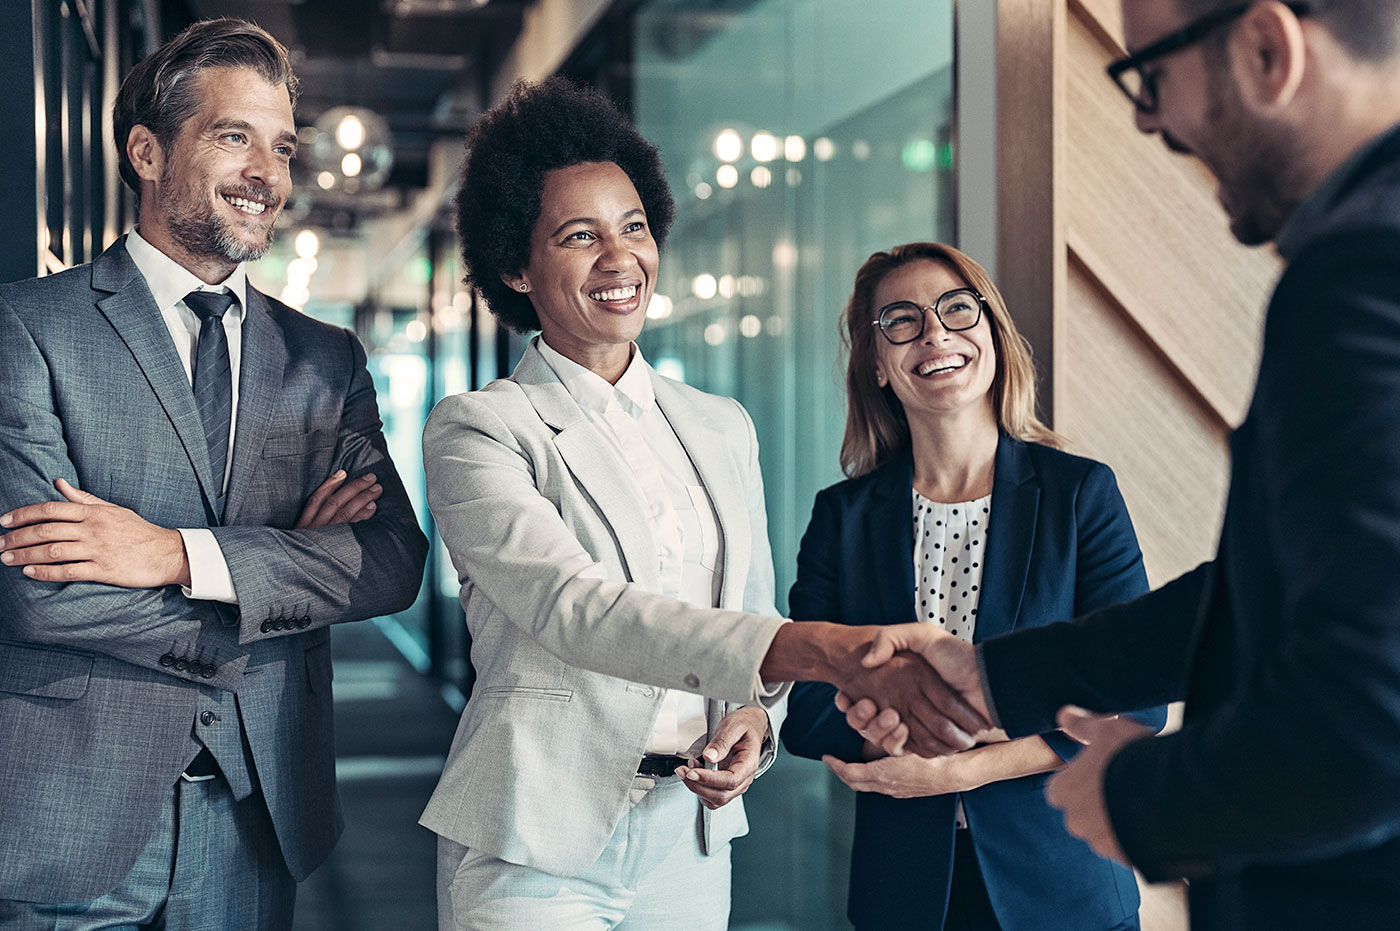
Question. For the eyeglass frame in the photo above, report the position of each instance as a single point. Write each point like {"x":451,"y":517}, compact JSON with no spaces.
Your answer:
{"x":1187,"y":35}
{"x":924,"y":312}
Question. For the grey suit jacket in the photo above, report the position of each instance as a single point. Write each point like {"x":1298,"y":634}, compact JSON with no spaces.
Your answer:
{"x":103,"y":689}
{"x":558,"y":567}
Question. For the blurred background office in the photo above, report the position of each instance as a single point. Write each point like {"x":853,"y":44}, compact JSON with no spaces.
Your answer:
{"x":799,"y":136}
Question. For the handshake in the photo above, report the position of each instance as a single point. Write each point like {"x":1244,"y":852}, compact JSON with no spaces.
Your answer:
{"x":906,"y":686}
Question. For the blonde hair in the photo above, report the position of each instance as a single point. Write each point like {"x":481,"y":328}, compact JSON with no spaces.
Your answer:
{"x":876,"y":427}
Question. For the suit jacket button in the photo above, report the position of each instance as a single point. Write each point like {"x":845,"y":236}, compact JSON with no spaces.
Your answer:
{"x":182,"y":664}
{"x":167,"y":659}
{"x":206,"y":718}
{"x":280,"y":623}
{"x":305,"y":622}
{"x":692,"y":681}
{"x":209,"y":670}
{"x":266,"y":627}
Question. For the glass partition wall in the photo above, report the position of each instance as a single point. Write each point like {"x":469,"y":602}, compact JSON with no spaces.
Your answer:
{"x":799,"y":137}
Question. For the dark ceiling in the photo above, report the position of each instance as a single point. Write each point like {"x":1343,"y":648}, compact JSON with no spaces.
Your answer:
{"x":423,"y":65}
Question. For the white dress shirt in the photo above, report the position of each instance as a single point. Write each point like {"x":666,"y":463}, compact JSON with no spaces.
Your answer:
{"x":679,"y":510}
{"x":169,"y":282}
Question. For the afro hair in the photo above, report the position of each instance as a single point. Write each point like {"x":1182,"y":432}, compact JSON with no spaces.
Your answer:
{"x":537,"y":129}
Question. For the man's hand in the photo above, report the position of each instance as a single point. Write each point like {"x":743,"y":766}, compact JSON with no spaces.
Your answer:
{"x":337,"y":501}
{"x":905,"y":776}
{"x":737,"y":747}
{"x":86,"y":539}
{"x":938,"y":718}
{"x":955,"y":662}
{"x":1078,"y":789}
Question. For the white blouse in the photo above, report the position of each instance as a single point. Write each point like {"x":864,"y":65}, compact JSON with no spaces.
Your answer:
{"x":950,"y":541}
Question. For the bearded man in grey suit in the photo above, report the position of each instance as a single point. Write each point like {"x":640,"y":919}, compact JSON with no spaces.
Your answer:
{"x":166,"y":747}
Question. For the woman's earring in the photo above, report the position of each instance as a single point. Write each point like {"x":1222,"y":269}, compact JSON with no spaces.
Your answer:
{"x":524,"y":286}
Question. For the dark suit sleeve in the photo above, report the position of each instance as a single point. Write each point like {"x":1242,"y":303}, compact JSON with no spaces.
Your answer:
{"x":341,"y":572}
{"x":137,"y":626}
{"x":814,"y":726}
{"x":1304,"y":760}
{"x":1126,"y":657}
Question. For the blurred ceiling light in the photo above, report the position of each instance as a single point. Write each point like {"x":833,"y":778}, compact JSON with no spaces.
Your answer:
{"x":703,"y":191}
{"x":416,"y":331}
{"x":715,"y":334}
{"x":299,"y":272}
{"x":726,"y":286}
{"x":660,"y":307}
{"x":353,"y":146}
{"x":794,"y":177}
{"x":824,"y":149}
{"x":726,"y":176}
{"x":350,"y":132}
{"x":860,"y":150}
{"x":761,"y":177}
{"x":794,"y":148}
{"x":307,"y":244}
{"x":325,"y":180}
{"x":728,"y":146}
{"x":750,"y":326}
{"x":764,"y":147}
{"x":784,"y":255}
{"x":704,"y":286}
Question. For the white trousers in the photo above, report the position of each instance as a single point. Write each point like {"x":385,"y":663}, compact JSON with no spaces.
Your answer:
{"x":651,"y":876}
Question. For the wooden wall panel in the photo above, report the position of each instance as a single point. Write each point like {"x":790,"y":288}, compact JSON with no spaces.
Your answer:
{"x":1125,"y":405}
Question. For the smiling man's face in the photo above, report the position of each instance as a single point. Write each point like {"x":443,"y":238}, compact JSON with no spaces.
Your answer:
{"x":225,"y":179}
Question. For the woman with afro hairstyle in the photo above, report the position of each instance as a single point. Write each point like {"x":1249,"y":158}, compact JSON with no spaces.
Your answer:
{"x":608,"y":529}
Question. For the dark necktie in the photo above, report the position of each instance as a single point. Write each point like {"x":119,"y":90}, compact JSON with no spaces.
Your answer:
{"x":213,"y":379}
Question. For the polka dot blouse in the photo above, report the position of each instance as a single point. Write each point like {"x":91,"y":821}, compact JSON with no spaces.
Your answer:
{"x":949,"y":545}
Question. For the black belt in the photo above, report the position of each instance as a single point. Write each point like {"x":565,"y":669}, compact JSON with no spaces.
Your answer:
{"x":657,"y":766}
{"x":202,"y":768}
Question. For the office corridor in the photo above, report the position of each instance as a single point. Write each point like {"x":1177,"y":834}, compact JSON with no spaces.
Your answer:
{"x":392,"y":735}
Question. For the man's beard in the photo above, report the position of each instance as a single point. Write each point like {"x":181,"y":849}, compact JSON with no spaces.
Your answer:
{"x":1257,"y":182}
{"x":201,"y":231}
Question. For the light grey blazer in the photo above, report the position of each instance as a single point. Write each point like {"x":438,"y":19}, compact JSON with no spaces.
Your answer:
{"x":103,"y":690}
{"x":546,"y":527}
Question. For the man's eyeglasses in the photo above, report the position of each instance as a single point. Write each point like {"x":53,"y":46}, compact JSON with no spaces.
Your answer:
{"x":1140,"y":85}
{"x":903,"y":321}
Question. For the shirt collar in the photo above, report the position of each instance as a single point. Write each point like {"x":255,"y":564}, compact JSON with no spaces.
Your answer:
{"x":170,"y":281}
{"x":633,"y":390}
{"x":1314,"y":209}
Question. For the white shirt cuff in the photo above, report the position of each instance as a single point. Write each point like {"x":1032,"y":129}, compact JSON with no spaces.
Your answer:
{"x":209,"y":576}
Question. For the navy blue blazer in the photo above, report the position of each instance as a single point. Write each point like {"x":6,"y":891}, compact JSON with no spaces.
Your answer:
{"x":1059,"y":543}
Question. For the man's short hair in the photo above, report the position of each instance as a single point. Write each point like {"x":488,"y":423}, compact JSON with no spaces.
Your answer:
{"x":1368,"y":29}
{"x":160,"y":92}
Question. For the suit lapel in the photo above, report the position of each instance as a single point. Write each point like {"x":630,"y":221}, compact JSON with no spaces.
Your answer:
{"x":714,"y":463}
{"x":132,"y":312}
{"x":1010,"y":537}
{"x":263,"y":359}
{"x":889,"y":542}
{"x":603,"y":476}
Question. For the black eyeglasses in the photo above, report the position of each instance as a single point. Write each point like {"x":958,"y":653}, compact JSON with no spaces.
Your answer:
{"x":1141,"y":86}
{"x":903,"y":321}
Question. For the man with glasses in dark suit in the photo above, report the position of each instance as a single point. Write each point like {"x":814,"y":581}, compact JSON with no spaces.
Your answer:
{"x":173,"y":551}
{"x":1278,"y":797}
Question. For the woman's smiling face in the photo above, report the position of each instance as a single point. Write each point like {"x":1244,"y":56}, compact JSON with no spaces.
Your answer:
{"x":592,"y":267}
{"x":940,"y":372}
